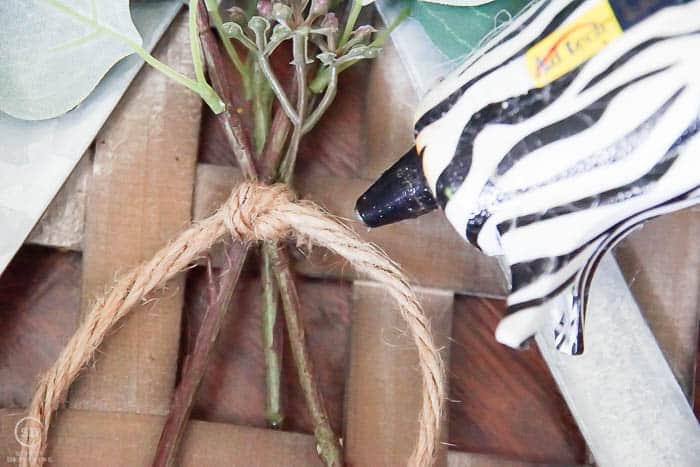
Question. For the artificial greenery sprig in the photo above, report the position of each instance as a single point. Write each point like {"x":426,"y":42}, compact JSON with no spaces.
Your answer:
{"x":319,"y":52}
{"x":318,"y":28}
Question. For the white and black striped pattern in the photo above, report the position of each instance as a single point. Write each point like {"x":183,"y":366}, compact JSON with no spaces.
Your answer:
{"x":552,"y":177}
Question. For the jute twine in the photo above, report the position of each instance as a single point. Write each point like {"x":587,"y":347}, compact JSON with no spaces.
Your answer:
{"x":253,"y":212}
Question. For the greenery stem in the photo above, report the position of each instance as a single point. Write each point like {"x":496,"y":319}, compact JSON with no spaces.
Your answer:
{"x":202,"y":88}
{"x":194,"y":42}
{"x":277,"y":87}
{"x":276,"y":141}
{"x":350,"y":24}
{"x":230,"y":121}
{"x":299,"y":43}
{"x":261,"y":108}
{"x":272,"y":340}
{"x":196,"y":363}
{"x":327,"y":443}
{"x":383,"y":35}
{"x":325,"y":103}
{"x":241,"y":67}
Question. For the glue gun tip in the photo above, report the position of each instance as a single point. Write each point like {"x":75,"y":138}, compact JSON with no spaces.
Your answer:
{"x":367,"y":212}
{"x":400,"y":193}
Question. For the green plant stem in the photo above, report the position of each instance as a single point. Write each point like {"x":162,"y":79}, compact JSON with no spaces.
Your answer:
{"x":272,"y":328}
{"x":241,"y":67}
{"x":325,"y":103}
{"x":272,"y":340}
{"x":323,"y":77}
{"x":350,"y":23}
{"x":208,"y":95}
{"x":261,"y":108}
{"x":286,"y":171}
{"x":277,"y":87}
{"x":383,"y":35}
{"x":195,"y":46}
{"x":327,"y":443}
{"x":273,"y":332}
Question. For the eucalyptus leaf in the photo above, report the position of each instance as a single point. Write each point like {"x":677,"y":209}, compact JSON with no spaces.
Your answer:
{"x":54,"y":52}
{"x":458,"y":30}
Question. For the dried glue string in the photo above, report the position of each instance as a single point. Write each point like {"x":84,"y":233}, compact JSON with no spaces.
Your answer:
{"x":253,"y":212}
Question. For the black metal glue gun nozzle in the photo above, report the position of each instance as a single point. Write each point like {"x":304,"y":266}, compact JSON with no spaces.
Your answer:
{"x":401,"y":192}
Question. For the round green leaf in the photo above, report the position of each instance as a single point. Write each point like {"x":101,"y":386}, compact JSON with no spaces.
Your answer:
{"x":54,"y":52}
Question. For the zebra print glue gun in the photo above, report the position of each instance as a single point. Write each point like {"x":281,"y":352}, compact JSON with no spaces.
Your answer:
{"x":574,"y":124}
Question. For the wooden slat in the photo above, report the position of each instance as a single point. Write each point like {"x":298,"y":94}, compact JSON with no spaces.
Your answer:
{"x":504,"y":401}
{"x":39,"y":306}
{"x":384,"y":385}
{"x":111,"y":439}
{"x":661,"y":263}
{"x":63,"y":222}
{"x":140,"y":196}
{"x":391,"y":103}
{"x":114,"y":439}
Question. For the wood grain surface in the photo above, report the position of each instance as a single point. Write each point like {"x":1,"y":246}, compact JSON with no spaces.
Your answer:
{"x":385,"y":388}
{"x":114,"y":439}
{"x":140,"y":196}
{"x":39,"y":308}
{"x":501,"y":402}
{"x":86,"y":438}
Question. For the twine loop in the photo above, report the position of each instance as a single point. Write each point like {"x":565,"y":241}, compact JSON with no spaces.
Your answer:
{"x":253,"y":212}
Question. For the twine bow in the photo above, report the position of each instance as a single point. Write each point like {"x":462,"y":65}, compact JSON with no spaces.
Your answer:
{"x":253,"y":212}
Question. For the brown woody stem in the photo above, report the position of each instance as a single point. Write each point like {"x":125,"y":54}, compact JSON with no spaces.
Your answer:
{"x":196,"y":362}
{"x":236,"y":253}
{"x":275,"y":143}
{"x":230,"y":121}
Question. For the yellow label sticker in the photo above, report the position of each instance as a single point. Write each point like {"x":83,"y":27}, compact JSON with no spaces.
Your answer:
{"x":571,"y":45}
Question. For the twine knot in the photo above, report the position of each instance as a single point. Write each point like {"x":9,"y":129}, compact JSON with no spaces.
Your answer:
{"x":252,"y":212}
{"x":248,"y":214}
